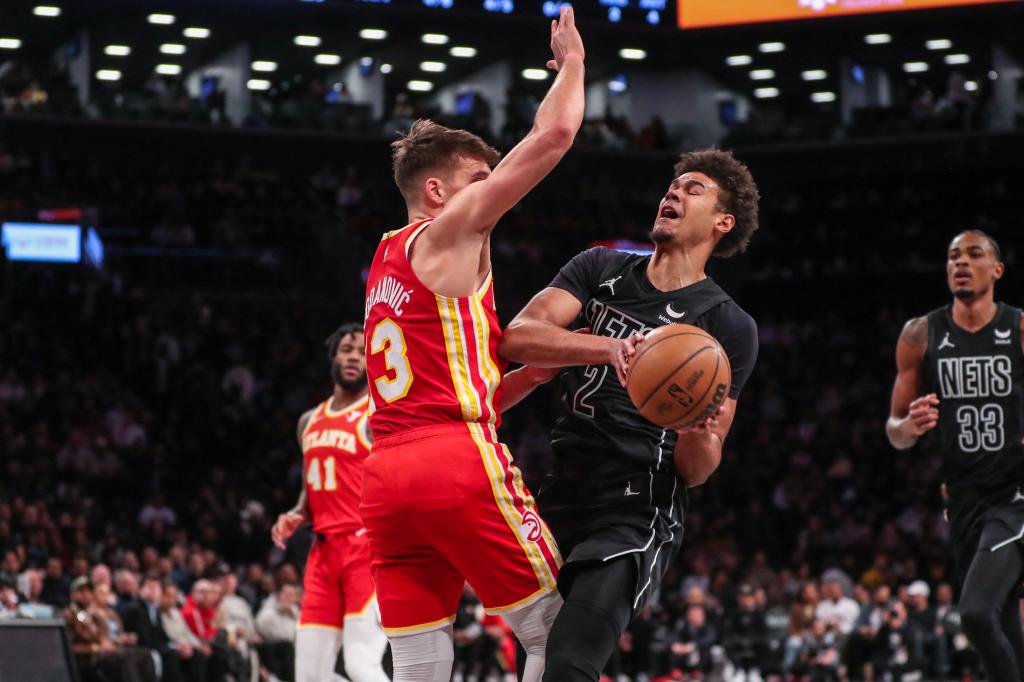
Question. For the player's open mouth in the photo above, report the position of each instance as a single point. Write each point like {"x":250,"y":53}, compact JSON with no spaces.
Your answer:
{"x":962,"y":277}
{"x":668,"y":212}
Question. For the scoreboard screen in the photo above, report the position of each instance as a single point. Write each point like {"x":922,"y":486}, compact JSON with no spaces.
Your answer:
{"x":703,"y":13}
{"x":649,"y":12}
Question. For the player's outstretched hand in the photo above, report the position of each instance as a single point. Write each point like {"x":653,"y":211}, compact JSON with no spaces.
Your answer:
{"x":565,"y":39}
{"x":923,"y":415}
{"x":285,"y":527}
{"x":621,"y":353}
{"x":706,"y":426}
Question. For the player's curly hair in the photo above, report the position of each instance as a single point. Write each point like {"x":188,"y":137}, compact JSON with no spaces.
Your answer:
{"x":738,"y":195}
{"x":432,"y":148}
{"x":341,"y":332}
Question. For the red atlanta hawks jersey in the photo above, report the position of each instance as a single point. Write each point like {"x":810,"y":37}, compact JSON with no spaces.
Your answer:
{"x":334,"y":446}
{"x":430,"y":359}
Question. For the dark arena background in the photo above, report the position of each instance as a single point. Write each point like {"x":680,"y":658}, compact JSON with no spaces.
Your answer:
{"x":191,"y":193}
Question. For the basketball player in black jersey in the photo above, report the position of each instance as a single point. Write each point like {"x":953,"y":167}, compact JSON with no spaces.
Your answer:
{"x":614,"y":499}
{"x":961,"y":373}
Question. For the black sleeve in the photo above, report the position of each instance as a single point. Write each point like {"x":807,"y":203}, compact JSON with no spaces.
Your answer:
{"x":580,"y":275}
{"x":737,"y":332}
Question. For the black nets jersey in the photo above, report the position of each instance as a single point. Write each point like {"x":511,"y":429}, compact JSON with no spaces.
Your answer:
{"x":606,"y":453}
{"x":979,"y":379}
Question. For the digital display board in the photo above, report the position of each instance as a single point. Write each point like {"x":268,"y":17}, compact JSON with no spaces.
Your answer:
{"x":704,"y":13}
{"x":42,"y":242}
{"x":649,"y":12}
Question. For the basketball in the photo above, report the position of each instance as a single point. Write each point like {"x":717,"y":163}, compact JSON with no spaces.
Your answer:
{"x":679,"y":377}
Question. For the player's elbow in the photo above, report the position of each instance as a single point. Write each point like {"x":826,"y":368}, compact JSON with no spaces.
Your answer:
{"x":554,"y":137}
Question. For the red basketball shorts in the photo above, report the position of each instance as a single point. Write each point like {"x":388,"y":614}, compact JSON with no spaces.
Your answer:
{"x":338,"y":583}
{"x":443,"y":505}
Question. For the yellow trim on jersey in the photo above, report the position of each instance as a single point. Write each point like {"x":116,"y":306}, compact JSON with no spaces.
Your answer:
{"x":423,"y":627}
{"x":526,"y":601}
{"x":458,"y":357}
{"x":366,"y":607}
{"x":319,"y":626}
{"x":488,"y":370}
{"x":412,"y":237}
{"x":496,"y":475}
{"x":394,"y":233}
{"x":345,"y":410}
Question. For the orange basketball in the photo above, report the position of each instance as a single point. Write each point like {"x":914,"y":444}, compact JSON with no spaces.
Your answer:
{"x":679,"y":377}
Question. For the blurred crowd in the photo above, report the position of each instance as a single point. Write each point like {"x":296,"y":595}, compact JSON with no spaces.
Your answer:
{"x":147,"y":417}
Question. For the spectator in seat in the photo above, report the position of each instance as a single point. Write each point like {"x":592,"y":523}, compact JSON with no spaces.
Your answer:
{"x":836,"y":609}
{"x":196,"y":655}
{"x":276,"y":623}
{"x":861,"y":642}
{"x":690,"y":651}
{"x":929,"y":645}
{"x":894,"y":654}
{"x":745,"y":635}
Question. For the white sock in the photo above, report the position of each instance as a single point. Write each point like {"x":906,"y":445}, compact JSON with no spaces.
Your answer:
{"x":316,"y":654}
{"x":531,"y":625}
{"x":423,"y":656}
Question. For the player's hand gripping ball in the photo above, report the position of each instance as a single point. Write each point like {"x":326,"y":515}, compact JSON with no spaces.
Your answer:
{"x":679,"y":377}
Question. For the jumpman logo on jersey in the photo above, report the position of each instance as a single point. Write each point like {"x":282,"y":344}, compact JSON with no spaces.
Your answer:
{"x":610,"y":284}
{"x":629,"y":489}
{"x":946,"y":343}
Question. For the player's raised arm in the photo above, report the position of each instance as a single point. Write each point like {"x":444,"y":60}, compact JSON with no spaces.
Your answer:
{"x":911,"y":415}
{"x":538,"y":336}
{"x":478,"y":207}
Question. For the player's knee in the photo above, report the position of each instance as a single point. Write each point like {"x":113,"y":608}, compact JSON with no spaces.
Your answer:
{"x":979,"y":620}
{"x":563,"y":664}
{"x":360,"y":666}
{"x":532,"y":623}
{"x":424,"y":656}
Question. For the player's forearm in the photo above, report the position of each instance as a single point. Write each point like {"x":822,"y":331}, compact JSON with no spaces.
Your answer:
{"x":898,"y":435}
{"x":302,"y":506}
{"x":543,"y":344}
{"x":701,"y":453}
{"x":562,"y":108}
{"x":515,"y":386}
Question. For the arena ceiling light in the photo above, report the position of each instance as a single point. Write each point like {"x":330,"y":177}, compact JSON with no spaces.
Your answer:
{"x":386,"y":68}
{"x":958,"y":58}
{"x":618,"y":85}
{"x":877,"y":38}
{"x":161,"y":18}
{"x":264,"y":66}
{"x":535,"y":74}
{"x":168,"y":69}
{"x":327,"y":59}
{"x":108,"y":75}
{"x":773,"y":46}
{"x":634,"y":54}
{"x":762,"y":74}
{"x":10,"y":43}
{"x":117,"y":50}
{"x":434,"y":38}
{"x":739,"y":60}
{"x":766,"y":93}
{"x":307,"y":41}
{"x":257,"y":84}
{"x":971,"y":86}
{"x":814,"y":75}
{"x":373,"y":34}
{"x":196,"y":32}
{"x":420,"y":86}
{"x":938,"y":44}
{"x":433,"y":67}
{"x":462,"y":51}
{"x":172,"y":48}
{"x":46,"y":11}
{"x":823,"y":97}
{"x":915,"y":67}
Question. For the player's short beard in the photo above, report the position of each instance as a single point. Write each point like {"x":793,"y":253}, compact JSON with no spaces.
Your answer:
{"x":964,"y":293}
{"x":356,"y":384}
{"x":659,"y":236}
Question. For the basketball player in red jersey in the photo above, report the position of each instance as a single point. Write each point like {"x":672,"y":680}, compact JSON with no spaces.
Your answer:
{"x":339,"y":605}
{"x":442,"y":501}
